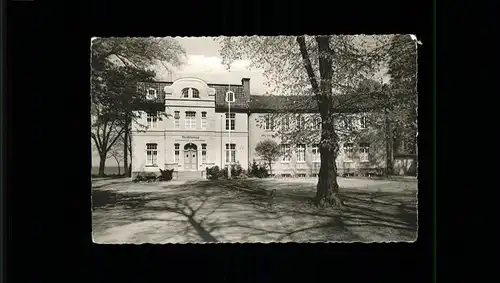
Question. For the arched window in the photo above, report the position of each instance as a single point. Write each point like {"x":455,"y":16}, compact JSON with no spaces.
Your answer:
{"x":196,"y":93}
{"x":190,"y":92}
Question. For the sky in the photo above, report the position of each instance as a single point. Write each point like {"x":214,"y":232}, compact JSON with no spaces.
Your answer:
{"x":203,"y":61}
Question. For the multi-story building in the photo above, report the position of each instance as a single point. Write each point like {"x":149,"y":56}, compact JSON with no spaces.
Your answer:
{"x":191,"y":132}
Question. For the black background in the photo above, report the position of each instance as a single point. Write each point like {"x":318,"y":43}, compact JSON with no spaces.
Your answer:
{"x":47,"y":197}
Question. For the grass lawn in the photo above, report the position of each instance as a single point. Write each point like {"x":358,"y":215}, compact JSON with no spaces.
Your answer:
{"x":240,"y":211}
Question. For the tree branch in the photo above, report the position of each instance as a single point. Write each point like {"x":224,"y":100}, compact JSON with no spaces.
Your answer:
{"x":114,"y":140}
{"x":96,"y":141}
{"x":307,"y":64}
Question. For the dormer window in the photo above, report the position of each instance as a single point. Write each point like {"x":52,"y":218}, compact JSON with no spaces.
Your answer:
{"x":363,"y":122}
{"x":196,"y":93}
{"x":190,"y":92}
{"x":229,"y":96}
{"x":151,"y":94}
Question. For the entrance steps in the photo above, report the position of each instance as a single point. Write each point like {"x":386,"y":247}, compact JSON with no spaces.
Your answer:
{"x":189,"y":175}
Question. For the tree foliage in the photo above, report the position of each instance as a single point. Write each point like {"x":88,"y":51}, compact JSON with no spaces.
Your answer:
{"x":355,"y":60}
{"x":320,"y":74}
{"x":269,"y":151}
{"x":403,"y":92}
{"x":117,"y":65}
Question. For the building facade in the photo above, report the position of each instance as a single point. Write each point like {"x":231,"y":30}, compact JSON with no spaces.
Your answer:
{"x":190,"y":128}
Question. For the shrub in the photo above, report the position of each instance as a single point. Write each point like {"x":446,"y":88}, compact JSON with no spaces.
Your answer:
{"x":214,"y":173}
{"x":259,"y":171}
{"x":166,"y":175}
{"x":236,"y":170}
{"x":146,"y":177}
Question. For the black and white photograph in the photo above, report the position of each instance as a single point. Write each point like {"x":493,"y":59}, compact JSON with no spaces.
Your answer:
{"x":255,"y":139}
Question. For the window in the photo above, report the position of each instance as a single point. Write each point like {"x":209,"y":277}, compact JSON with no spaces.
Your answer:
{"x":152,"y":120}
{"x":230,"y":121}
{"x":177,"y":120}
{"x":300,"y":122}
{"x":229,"y":96}
{"x":230,"y":153}
{"x":285,"y":153}
{"x":196,"y":93}
{"x":152,"y":154}
{"x":316,"y":157}
{"x":317,"y":123}
{"x":203,"y":153}
{"x":347,"y":123}
{"x":301,"y":153}
{"x":348,"y":151}
{"x":364,"y":150}
{"x":203,"y":120}
{"x":286,"y":124}
{"x":269,"y":122}
{"x":190,"y":120}
{"x":176,"y":153}
{"x":363,"y":122}
{"x":190,"y":92}
{"x":151,"y":94}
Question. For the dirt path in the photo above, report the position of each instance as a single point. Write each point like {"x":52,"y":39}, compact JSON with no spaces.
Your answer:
{"x":239,"y":211}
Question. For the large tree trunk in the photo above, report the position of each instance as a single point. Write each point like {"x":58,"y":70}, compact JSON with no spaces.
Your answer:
{"x":102,"y":165}
{"x":126,"y":134}
{"x":389,"y":141}
{"x":125,"y":152}
{"x":270,"y":169}
{"x":327,"y":190}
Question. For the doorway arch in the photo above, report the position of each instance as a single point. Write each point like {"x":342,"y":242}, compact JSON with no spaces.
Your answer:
{"x":190,"y":157}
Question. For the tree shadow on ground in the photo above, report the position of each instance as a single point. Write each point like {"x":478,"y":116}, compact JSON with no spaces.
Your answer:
{"x":247,"y":206}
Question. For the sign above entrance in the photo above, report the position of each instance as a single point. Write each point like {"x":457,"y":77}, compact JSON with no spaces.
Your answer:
{"x":190,"y":137}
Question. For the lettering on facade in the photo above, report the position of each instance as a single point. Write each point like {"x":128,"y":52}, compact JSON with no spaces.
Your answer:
{"x":190,"y":137}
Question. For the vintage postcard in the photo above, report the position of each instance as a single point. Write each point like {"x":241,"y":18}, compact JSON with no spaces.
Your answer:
{"x":254,"y":139}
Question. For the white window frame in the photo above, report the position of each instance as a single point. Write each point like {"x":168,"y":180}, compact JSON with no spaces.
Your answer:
{"x":285,"y":153}
{"x":152,"y":120}
{"x":268,"y":122}
{"x":301,"y":153}
{"x":316,"y":156}
{"x":176,"y":152}
{"x":152,"y":150}
{"x":285,"y":124}
{"x":230,"y":150}
{"x":363,"y":122}
{"x":195,"y":93}
{"x":177,"y":119}
{"x":299,"y":122}
{"x":364,"y":152}
{"x":317,"y":125}
{"x":203,"y":120}
{"x":151,"y":95}
{"x":348,"y":149}
{"x":190,"y":122}
{"x":203,"y":153}
{"x":230,"y":121}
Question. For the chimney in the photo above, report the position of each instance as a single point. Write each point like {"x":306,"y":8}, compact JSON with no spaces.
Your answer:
{"x":246,"y":86}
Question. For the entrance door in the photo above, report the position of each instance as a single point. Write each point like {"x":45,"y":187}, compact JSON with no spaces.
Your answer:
{"x":190,"y":157}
